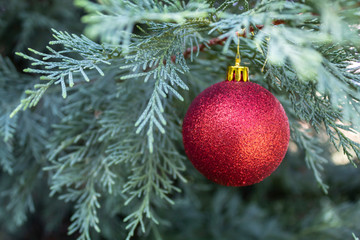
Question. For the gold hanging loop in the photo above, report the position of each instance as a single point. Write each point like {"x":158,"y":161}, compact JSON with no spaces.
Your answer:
{"x":238,"y":73}
{"x":237,"y":57}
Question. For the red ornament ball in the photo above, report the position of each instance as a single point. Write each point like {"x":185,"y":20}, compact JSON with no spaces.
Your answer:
{"x":236,"y":133}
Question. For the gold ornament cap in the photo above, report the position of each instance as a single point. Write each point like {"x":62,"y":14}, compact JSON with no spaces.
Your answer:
{"x":238,"y":73}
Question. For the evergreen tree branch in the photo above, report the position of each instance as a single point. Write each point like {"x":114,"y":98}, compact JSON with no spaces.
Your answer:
{"x":318,"y":110}
{"x":160,"y":59}
{"x":151,"y":175}
{"x":7,"y":159}
{"x":8,"y":128}
{"x":355,"y":238}
{"x":19,"y":195}
{"x":150,"y":179}
{"x":95,"y":154}
{"x":85,"y":215}
{"x":59,"y":65}
{"x":11,"y":82}
{"x":23,"y":159}
{"x":84,"y":162}
{"x":340,"y":223}
{"x":221,"y":41}
{"x":79,"y":170}
{"x":313,"y":157}
{"x":114,"y":20}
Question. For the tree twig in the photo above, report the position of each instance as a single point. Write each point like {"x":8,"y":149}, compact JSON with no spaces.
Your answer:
{"x":220,"y":41}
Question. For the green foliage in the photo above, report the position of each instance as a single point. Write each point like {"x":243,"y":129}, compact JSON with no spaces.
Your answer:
{"x":113,"y":21}
{"x":152,"y":175}
{"x":22,"y":21}
{"x":90,"y":53}
{"x":331,"y":221}
{"x":212,"y":212}
{"x":355,"y":238}
{"x":20,"y":150}
{"x":313,"y":152}
{"x":112,"y":149}
{"x":155,"y":56}
{"x":7,"y":125}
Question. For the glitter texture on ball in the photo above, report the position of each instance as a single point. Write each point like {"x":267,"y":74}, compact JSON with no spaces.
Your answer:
{"x":236,"y":133}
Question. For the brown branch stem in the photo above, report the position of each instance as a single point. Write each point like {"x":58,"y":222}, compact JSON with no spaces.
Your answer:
{"x":218,"y":41}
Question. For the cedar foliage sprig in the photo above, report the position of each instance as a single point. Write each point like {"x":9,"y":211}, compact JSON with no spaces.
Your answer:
{"x":58,"y":65}
{"x":19,"y":150}
{"x":159,"y":59}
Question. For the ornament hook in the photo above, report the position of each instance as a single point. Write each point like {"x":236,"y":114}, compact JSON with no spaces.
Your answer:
{"x":237,"y":57}
{"x":238,"y":73}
